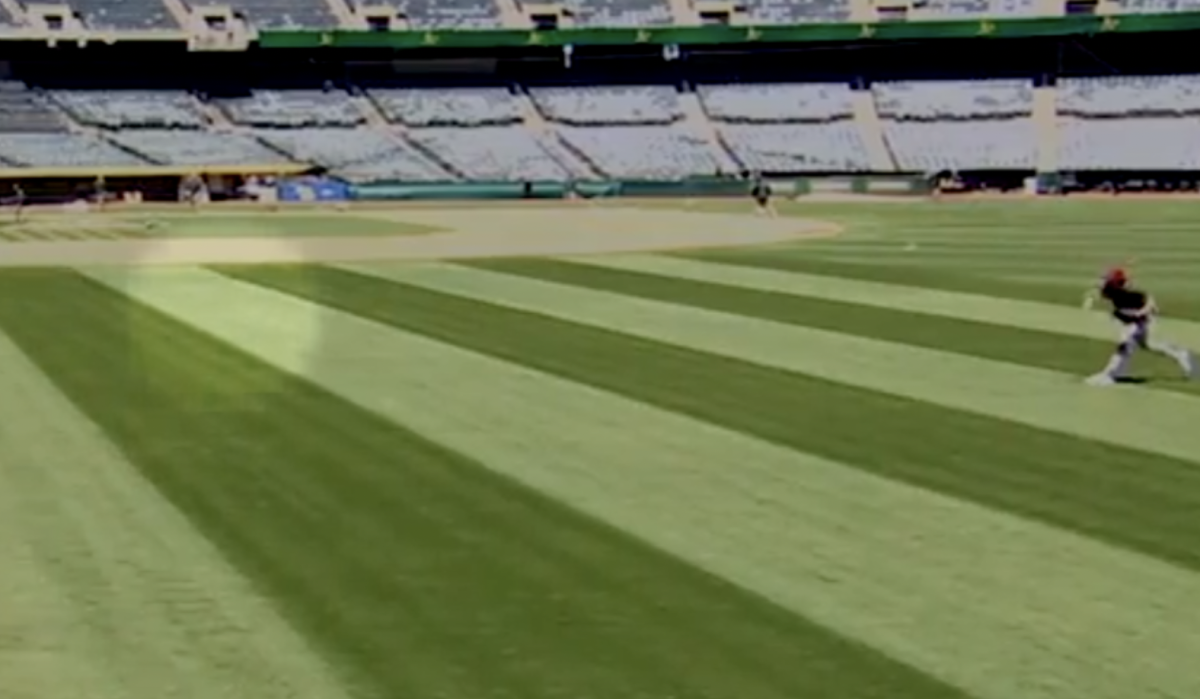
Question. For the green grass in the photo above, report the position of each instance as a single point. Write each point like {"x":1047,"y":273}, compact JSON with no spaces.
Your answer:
{"x":857,"y":467}
{"x":381,"y":545}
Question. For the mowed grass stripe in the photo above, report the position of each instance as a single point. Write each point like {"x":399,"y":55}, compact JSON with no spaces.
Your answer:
{"x":914,"y":272}
{"x":105,"y":589}
{"x":858,"y":553}
{"x":414,"y":566}
{"x":1035,"y":348}
{"x":837,"y":296}
{"x":1125,"y":496}
{"x":1036,"y":397}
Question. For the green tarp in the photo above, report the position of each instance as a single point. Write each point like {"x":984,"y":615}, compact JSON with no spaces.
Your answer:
{"x":885,"y":31}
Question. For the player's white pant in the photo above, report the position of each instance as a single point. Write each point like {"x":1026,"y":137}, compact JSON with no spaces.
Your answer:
{"x":1137,"y":335}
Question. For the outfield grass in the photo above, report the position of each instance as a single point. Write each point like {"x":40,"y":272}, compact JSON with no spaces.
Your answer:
{"x":842,"y":468}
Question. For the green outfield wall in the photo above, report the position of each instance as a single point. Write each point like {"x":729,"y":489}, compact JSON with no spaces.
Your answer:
{"x":698,"y":187}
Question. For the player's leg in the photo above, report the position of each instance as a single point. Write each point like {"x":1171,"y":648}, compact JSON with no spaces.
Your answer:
{"x":1132,"y":335}
{"x":1181,"y":356}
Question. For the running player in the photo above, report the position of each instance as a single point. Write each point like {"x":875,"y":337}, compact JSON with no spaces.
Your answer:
{"x":18,"y":200}
{"x":761,"y":191}
{"x":1134,"y":310}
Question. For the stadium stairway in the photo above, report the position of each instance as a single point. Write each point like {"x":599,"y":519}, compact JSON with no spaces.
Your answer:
{"x":863,"y":11}
{"x":345,"y":16}
{"x":696,"y":119}
{"x":1045,"y":119}
{"x":370,"y":110}
{"x":511,"y":16}
{"x":870,"y":129}
{"x":179,"y":12}
{"x":684,"y":13}
{"x":218,"y":118}
{"x":533,"y":119}
{"x":400,"y":131}
{"x":15,"y":10}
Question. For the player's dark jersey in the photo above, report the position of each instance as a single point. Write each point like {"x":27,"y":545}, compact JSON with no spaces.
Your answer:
{"x":1125,"y":300}
{"x":760,"y":191}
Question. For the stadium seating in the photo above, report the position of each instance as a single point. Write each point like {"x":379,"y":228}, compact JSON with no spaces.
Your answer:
{"x":1140,"y":6}
{"x":632,"y":131}
{"x":125,"y":14}
{"x":1128,"y":95}
{"x":797,"y":11}
{"x":817,"y":147}
{"x":1129,"y":122}
{"x":1005,"y":144}
{"x":284,"y":14}
{"x":22,"y":109}
{"x":954,"y":99}
{"x":656,"y":104}
{"x":968,"y":9}
{"x":351,"y":152}
{"x":188,"y":147}
{"x":801,"y":127}
{"x":62,"y":150}
{"x":620,"y":13}
{"x":449,"y":14}
{"x":492,"y":153}
{"x":464,"y":106}
{"x":293,"y":108}
{"x":1145,"y":143}
{"x":776,"y":102}
{"x":130,"y":108}
{"x":958,"y":125}
{"x":650,"y":152}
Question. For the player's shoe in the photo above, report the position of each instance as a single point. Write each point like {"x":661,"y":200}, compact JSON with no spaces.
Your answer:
{"x":1101,"y":379}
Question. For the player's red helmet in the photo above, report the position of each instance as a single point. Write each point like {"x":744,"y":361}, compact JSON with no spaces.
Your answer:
{"x":1115,"y":277}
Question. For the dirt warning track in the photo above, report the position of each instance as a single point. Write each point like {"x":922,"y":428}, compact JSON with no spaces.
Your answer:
{"x":467,"y":233}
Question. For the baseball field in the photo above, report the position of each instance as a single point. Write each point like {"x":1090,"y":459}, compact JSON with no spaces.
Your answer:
{"x":659,"y":451}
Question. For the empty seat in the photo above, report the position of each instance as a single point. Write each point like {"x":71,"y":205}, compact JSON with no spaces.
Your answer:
{"x":818,"y":147}
{"x":797,"y":11}
{"x":1129,"y":95}
{"x":351,"y":152}
{"x":293,"y":108}
{"x":492,"y":152}
{"x":448,"y":14}
{"x":940,"y":99}
{"x":125,"y":14}
{"x":287,"y":14}
{"x":63,"y":150}
{"x":776,"y":102}
{"x":22,"y":109}
{"x":1147,"y":143}
{"x":130,"y":108}
{"x":620,"y":13}
{"x":609,"y":105}
{"x":180,"y":147}
{"x":464,"y":106}
{"x":643,"y":152}
{"x":999,"y":144}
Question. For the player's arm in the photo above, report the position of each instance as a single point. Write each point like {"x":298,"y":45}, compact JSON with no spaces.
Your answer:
{"x":1148,"y":309}
{"x":1089,"y":298}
